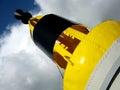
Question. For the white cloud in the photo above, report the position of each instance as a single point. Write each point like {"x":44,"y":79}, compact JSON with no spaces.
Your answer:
{"x":23,"y":66}
{"x":88,"y":12}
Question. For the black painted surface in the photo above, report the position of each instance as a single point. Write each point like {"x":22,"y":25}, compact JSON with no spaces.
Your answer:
{"x":47,"y":31}
{"x":113,"y":78}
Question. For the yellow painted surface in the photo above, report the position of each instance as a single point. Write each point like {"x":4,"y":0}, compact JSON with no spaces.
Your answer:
{"x":74,"y":33}
{"x":88,"y":53}
{"x":62,"y":49}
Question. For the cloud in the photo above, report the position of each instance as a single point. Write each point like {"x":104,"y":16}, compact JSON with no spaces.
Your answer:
{"x":23,"y":66}
{"x":88,"y":12}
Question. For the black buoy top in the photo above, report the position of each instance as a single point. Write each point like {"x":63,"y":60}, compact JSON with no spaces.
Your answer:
{"x":46,"y":31}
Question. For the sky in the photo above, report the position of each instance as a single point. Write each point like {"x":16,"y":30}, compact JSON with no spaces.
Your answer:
{"x":23,"y":66}
{"x":7,"y":8}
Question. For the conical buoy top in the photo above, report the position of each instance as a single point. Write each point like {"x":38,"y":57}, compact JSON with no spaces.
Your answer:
{"x":23,"y":16}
